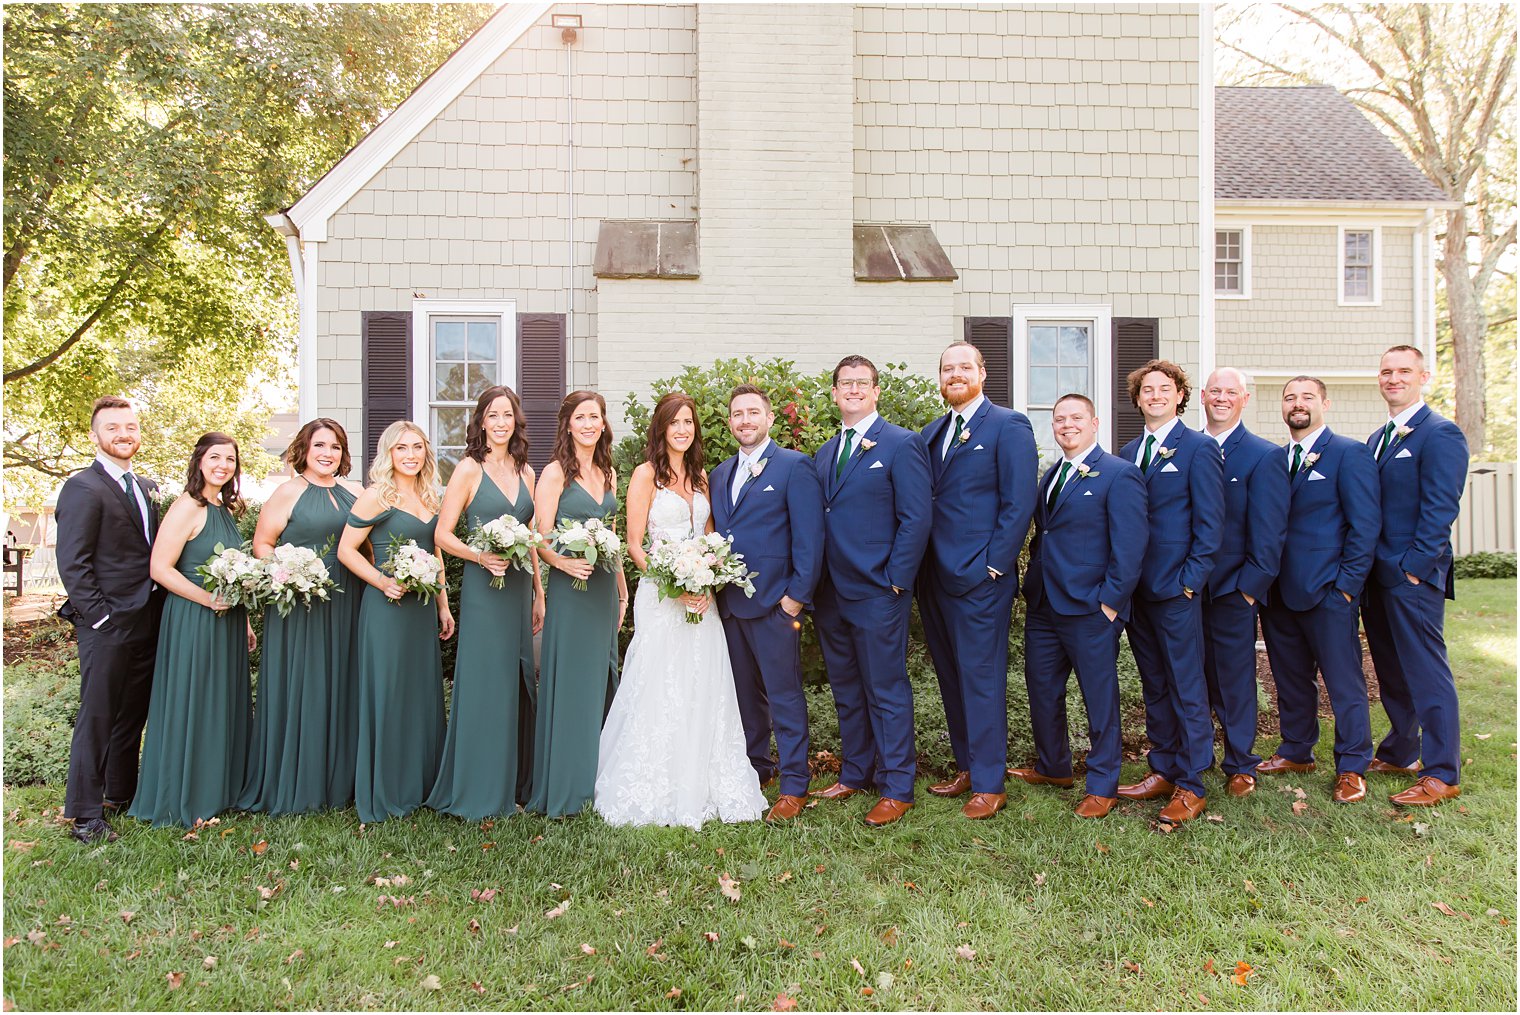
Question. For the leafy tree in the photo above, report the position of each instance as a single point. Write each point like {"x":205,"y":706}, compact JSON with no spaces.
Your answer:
{"x":143,"y":145}
{"x":1440,"y":79}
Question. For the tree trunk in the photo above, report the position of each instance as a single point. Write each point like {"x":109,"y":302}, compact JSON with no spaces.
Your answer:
{"x":1469,"y":327}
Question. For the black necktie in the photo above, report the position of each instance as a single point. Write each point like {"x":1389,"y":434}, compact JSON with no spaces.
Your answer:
{"x":1298,"y":457}
{"x":132,"y":505}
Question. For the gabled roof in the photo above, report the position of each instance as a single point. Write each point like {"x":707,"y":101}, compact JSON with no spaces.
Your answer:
{"x":422,"y":107}
{"x":1308,"y":144}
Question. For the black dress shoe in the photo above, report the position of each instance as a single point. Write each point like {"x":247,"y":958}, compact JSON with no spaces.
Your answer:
{"x":93,"y":830}
{"x":114,"y":806}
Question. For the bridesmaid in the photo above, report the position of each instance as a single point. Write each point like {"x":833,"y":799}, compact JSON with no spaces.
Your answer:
{"x":578,"y":674}
{"x":195,"y":754}
{"x":488,"y":749}
{"x":306,"y":732}
{"x":397,"y":661}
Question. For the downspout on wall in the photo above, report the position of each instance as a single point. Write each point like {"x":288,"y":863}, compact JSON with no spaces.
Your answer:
{"x":306,"y":338}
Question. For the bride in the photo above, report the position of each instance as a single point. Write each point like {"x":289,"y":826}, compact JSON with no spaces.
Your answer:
{"x":672,"y":748}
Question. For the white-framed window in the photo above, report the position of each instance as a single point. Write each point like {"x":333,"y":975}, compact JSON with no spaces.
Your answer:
{"x":1058,"y":349}
{"x":1232,"y":263}
{"x":1360,"y":259}
{"x":459,"y":348}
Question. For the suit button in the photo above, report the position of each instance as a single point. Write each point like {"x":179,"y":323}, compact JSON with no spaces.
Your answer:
{"x":827,"y":510}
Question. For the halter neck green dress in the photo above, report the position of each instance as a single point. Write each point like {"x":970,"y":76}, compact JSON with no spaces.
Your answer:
{"x":488,"y":751}
{"x":400,"y":674}
{"x":195,"y":753}
{"x":306,"y":718}
{"x":578,"y":673}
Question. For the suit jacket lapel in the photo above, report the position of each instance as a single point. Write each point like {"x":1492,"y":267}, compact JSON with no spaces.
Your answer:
{"x":770,"y":449}
{"x":1157,"y":462}
{"x":935,"y":436}
{"x":971,"y":425}
{"x":1304,"y":469}
{"x":857,"y":454}
{"x":828,"y":455}
{"x":121,"y":492}
{"x":1071,"y":480}
{"x":1393,"y":443}
{"x":1232,"y":442}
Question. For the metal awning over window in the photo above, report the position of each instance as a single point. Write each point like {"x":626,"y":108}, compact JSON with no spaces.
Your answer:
{"x":646,"y":248}
{"x":893,"y":253}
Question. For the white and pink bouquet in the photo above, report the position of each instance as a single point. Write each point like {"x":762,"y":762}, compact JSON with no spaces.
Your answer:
{"x":701,"y":564}
{"x":415,"y":569}
{"x":592,"y":540}
{"x":296,"y":574}
{"x":233,"y":575}
{"x":508,"y":538}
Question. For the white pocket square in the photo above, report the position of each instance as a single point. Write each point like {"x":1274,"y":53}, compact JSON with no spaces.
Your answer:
{"x":1169,"y":467}
{"x":1087,"y":493}
{"x":1316,"y":474}
{"x":1234,"y":479}
{"x":978,"y":448}
{"x":1404,"y":454}
{"x":875,"y":465}
{"x":768,"y":489}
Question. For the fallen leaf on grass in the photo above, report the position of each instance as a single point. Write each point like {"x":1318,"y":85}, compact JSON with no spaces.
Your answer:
{"x":729,"y":887}
{"x":1242,"y":973}
{"x":855,"y":965}
{"x":1039,"y":879}
{"x":64,"y":920}
{"x":673,"y":993}
{"x":1133,"y":967}
{"x":818,"y":930}
{"x":1482,"y":736}
{"x":175,"y":980}
{"x":867,"y":991}
{"x":711,"y":936}
{"x":558,"y":911}
{"x":748,"y":941}
{"x":1443,"y":908}
{"x":12,"y":940}
{"x":1148,"y":903}
{"x":1218,"y":819}
{"x":889,"y":936}
{"x":884,"y":981}
{"x":482,"y":894}
{"x":209,"y":962}
{"x":783,"y":877}
{"x":431,"y":982}
{"x":1299,"y":806}
{"x":1420,"y":828}
{"x":293,"y":956}
{"x":784,"y":943}
{"x":1208,"y":967}
{"x":1100,"y":847}
{"x":819,"y":869}
{"x":477,"y":988}
{"x":473,"y":926}
{"x":391,"y":944}
{"x":399,"y":881}
{"x":1203,"y":999}
{"x":126,"y":915}
{"x":259,"y":847}
{"x":965,"y":952}
{"x":23,"y":847}
{"x":587,"y":949}
{"x":654,"y":949}
{"x":36,"y":937}
{"x":784,"y":1002}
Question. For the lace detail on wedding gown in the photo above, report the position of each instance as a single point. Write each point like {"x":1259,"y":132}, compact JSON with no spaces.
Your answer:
{"x":672,"y":749}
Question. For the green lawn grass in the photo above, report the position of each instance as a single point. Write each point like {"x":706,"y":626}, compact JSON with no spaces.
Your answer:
{"x":1333,"y":907}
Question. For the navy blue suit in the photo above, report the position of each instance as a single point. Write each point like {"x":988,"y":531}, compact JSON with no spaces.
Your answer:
{"x":777,"y":524}
{"x":1422,"y":476}
{"x":984,"y":493}
{"x":1255,"y":524}
{"x":876,"y":521}
{"x":1333,"y":523}
{"x":1185,"y":495}
{"x":1086,"y":554}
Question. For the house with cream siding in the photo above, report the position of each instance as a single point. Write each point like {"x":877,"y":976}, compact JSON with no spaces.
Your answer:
{"x":597,"y":195}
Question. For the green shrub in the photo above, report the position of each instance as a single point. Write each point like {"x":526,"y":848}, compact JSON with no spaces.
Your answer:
{"x":1485,"y":565}
{"x":41,"y":703}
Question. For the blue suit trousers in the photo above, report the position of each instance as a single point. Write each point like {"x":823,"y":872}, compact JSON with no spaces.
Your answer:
{"x":1054,"y":645}
{"x":766,"y":653}
{"x":1325,"y":637}
{"x":1167,"y":639}
{"x":1229,"y":663}
{"x":1406,"y":634}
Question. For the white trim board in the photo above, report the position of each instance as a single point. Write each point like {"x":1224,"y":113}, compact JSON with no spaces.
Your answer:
{"x":329,"y":194}
{"x":1377,"y":263}
{"x":1244,"y":229}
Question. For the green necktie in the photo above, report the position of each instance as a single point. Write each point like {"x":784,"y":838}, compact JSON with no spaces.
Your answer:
{"x":844,"y":454}
{"x":1055,"y":488}
{"x":955,"y":437}
{"x":1150,"y":442}
{"x":1298,"y":458}
{"x":132,"y":505}
{"x":1387,"y":437}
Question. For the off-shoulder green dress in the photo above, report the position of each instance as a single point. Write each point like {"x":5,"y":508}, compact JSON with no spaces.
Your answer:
{"x":195,"y":752}
{"x":487,"y":752}
{"x":400,"y":674}
{"x":578,"y":672}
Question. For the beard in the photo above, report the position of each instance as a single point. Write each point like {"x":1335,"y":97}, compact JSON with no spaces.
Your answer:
{"x":973,"y":388}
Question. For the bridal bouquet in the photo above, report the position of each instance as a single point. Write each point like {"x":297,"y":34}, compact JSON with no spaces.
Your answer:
{"x":233,"y":575}
{"x":702,"y":564}
{"x":592,"y":540}
{"x":415,"y":569}
{"x":509,"y":538}
{"x":296,"y":574}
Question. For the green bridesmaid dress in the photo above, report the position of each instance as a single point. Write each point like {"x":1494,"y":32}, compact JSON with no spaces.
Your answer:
{"x":400,"y":674}
{"x":195,"y":754}
{"x":578,"y":675}
{"x":488,"y":750}
{"x":306,"y":719}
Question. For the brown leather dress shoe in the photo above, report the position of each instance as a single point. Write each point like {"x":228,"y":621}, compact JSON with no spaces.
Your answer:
{"x":1035,"y":778}
{"x":887,"y":811}
{"x":1277,"y":764}
{"x":1095,"y":806}
{"x":838,"y":791}
{"x":1350,"y":788}
{"x":955,"y":786}
{"x":984,"y":805}
{"x":1383,"y":768}
{"x":1149,"y":788}
{"x":1241,"y":784}
{"x":1184,"y":806}
{"x":787,"y":808}
{"x":1426,"y":792}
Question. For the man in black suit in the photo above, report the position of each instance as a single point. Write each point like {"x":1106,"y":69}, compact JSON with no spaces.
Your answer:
{"x":106,"y":525}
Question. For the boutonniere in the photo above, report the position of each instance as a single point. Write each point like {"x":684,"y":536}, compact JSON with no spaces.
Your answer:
{"x":1165,"y":453}
{"x":1402,"y":432}
{"x":866,"y":444}
{"x":965,"y":436}
{"x":1311,"y":458}
{"x":1083,"y":471}
{"x":755,"y":468}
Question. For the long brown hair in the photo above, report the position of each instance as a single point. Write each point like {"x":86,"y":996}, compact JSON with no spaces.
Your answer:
{"x":564,"y":443}
{"x":658,"y":452}
{"x":475,"y":444}
{"x":300,"y":445}
{"x":195,"y":483}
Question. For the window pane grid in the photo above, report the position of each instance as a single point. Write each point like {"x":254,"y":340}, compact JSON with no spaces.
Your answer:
{"x":465,"y":361}
{"x":1228,"y":258}
{"x":1358,"y":266}
{"x":1060,"y":361}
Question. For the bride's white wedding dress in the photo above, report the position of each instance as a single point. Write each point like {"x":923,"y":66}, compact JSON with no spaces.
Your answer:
{"x":672,"y":749}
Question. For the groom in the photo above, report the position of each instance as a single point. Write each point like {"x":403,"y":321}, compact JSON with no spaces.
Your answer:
{"x":768,"y":501}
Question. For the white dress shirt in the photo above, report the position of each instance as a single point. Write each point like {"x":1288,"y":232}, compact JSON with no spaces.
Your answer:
{"x":860,"y":429}
{"x":1160,"y":433}
{"x":965,"y":417}
{"x":1221,"y":438}
{"x":742,"y":467}
{"x":1402,"y":419}
{"x":1307,"y":444}
{"x":116,"y":473}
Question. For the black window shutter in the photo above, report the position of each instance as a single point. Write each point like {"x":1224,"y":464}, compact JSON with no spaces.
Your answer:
{"x":1137,"y":341}
{"x":541,"y":380}
{"x":993,"y":337}
{"x":387,"y":342}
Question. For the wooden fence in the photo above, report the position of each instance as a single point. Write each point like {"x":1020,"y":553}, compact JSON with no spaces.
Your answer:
{"x":1487,"y":521}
